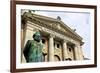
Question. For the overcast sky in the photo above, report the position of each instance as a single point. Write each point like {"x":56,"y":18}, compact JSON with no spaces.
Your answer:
{"x":78,"y":21}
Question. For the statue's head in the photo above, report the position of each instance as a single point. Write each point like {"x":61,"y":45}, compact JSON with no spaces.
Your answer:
{"x":37,"y":36}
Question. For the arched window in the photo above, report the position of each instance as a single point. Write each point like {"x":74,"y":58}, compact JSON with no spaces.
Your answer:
{"x":44,"y":57}
{"x":68,"y":59}
{"x":57,"y":58}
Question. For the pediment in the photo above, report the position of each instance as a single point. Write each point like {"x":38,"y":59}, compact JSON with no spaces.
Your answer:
{"x":51,"y":23}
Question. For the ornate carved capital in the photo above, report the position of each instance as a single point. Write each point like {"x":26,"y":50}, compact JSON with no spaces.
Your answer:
{"x":64,"y":40}
{"x":51,"y":35}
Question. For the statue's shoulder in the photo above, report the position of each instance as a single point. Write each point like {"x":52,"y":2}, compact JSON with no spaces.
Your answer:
{"x":30,"y":41}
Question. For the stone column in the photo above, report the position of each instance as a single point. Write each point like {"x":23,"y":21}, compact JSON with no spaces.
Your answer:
{"x":65,"y":53}
{"x":51,"y":47}
{"x":76,"y":50}
{"x":80,"y":52}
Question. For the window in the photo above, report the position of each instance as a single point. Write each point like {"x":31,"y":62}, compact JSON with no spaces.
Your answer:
{"x":57,"y":58}
{"x":69,"y":49}
{"x":68,"y":59}
{"x":58,"y":45}
{"x":44,"y":57}
{"x":54,"y":44}
{"x":43,"y":41}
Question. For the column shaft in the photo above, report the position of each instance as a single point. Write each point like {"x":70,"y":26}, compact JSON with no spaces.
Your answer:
{"x":65,"y":53}
{"x":80,"y":52}
{"x":76,"y":50}
{"x":51,"y":48}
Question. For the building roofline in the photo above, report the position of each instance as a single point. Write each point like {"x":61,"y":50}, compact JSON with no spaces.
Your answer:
{"x":54,"y":20}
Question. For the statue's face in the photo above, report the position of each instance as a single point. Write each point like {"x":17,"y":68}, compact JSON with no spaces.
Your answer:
{"x":37,"y":37}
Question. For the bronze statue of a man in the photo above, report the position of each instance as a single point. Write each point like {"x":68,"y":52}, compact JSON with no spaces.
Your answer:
{"x":33,"y":49}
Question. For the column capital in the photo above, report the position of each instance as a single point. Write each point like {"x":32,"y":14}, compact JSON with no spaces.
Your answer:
{"x":52,"y":35}
{"x":76,"y":45}
{"x":64,"y":40}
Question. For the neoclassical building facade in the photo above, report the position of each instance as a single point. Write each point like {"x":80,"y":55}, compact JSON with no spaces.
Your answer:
{"x":60,"y":42}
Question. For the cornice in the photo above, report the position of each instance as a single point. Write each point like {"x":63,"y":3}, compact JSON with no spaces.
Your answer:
{"x":51,"y":24}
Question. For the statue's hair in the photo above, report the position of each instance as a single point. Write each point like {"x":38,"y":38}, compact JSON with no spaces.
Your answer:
{"x":35,"y":34}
